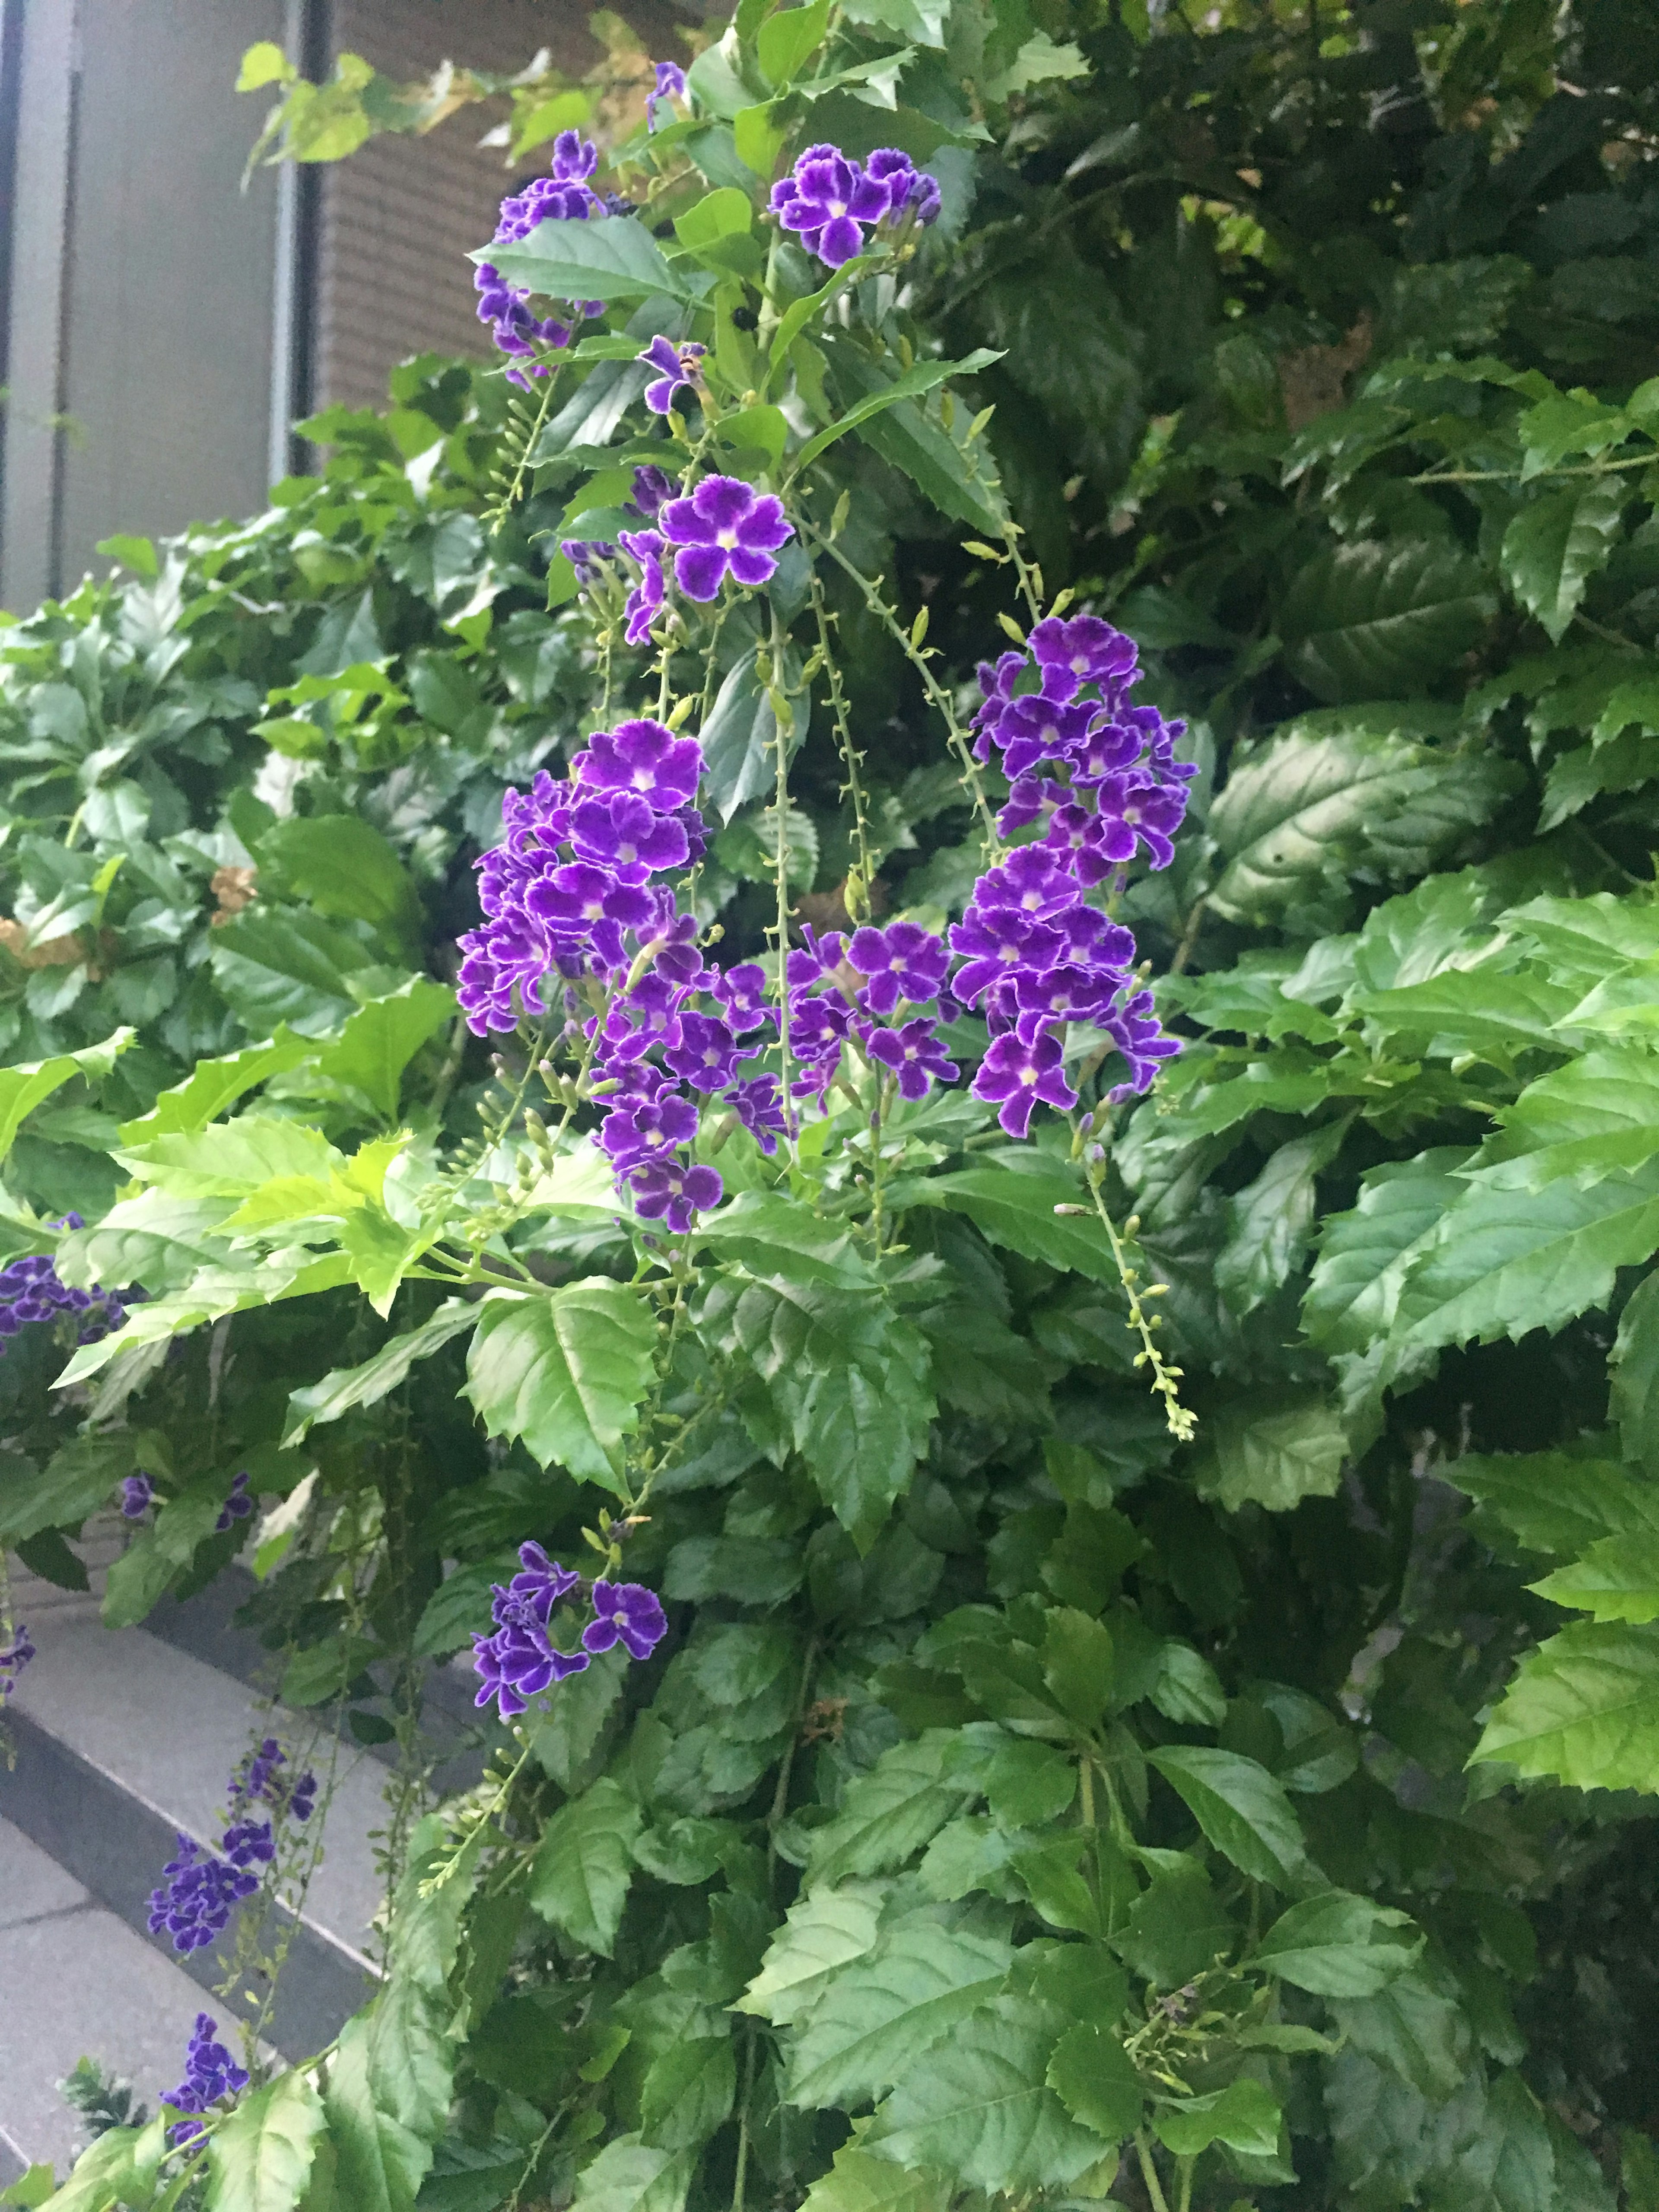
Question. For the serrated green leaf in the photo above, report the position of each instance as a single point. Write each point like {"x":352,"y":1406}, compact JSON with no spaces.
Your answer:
{"x":584,"y":1866}
{"x":567,"y":1372}
{"x":888,"y":1813}
{"x":740,"y":738}
{"x":1271,"y":1450}
{"x":1016,"y":1211}
{"x":628,"y":2176}
{"x":881,"y":2009}
{"x":380,"y":1039}
{"x":1617,"y":1579}
{"x":1365,"y":1256}
{"x":820,"y":1933}
{"x":1243,"y":1811}
{"x":212,"y":1085}
{"x":1271,"y":1220}
{"x":610,"y":257}
{"x":1557,"y":543}
{"x":1554,"y":1503}
{"x":980,"y":2107}
{"x":1583,"y":1707}
{"x":1633,"y":1397}
{"x":1339,"y":1945}
{"x":1415,"y":2028}
{"x":1095,"y":2078}
{"x":910,"y":384}
{"x":1244,"y":2116}
{"x":858,"y":2182}
{"x":1368,"y":619}
{"x":261,"y":2155}
{"x":287,"y":967}
{"x":344,"y":1388}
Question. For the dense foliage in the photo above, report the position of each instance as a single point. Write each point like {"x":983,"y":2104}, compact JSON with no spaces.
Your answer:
{"x":1024,"y":1801}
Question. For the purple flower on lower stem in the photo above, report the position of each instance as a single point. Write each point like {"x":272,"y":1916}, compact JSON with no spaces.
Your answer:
{"x":671,"y":85}
{"x":245,"y":1842}
{"x":529,"y":1599}
{"x":237,"y":1507}
{"x":725,"y":528}
{"x":651,"y":485}
{"x":585,"y":556}
{"x":1085,"y":650}
{"x":211,"y":2076}
{"x":707,"y":1055}
{"x":677,"y":371}
{"x":619,"y":831}
{"x":645,"y":600}
{"x":645,"y":758}
{"x":740,"y":993}
{"x":13,"y":1660}
{"x":138,"y":1494}
{"x":915,"y":1054}
{"x":194,"y":1902}
{"x":670,"y":1191}
{"x":626,"y":1614}
{"x":903,"y":961}
{"x":647,"y":1128}
{"x":517,"y":1664}
{"x":757,"y":1105}
{"x":1014,"y":1074}
{"x":1135,"y":1031}
{"x":826,"y":197}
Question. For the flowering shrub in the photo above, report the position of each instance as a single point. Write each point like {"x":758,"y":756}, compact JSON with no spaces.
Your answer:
{"x":920,"y":1758}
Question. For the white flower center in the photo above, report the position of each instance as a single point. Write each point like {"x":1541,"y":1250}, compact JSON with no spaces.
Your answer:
{"x":728,"y":538}
{"x":626,"y":852}
{"x":838,"y":207}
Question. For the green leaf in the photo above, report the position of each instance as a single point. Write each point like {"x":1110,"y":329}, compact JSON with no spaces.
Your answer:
{"x":848,"y":1379}
{"x":723,"y":214}
{"x":74,"y":1481}
{"x":820,"y":1933}
{"x":344,"y":1388}
{"x":22,"y":1089}
{"x":380,"y":1039}
{"x":117,"y":2167}
{"x":1617,"y":1579}
{"x":32,"y":2188}
{"x":1339,"y":1945}
{"x":1463,"y":1011}
{"x":1370,"y":618}
{"x":343,"y":867}
{"x":740,"y":739}
{"x":1584,"y":1708}
{"x":688,"y":2092}
{"x":764,"y":1229}
{"x":910,"y":384}
{"x":212,"y":1293}
{"x":233,"y":1159}
{"x":1095,"y":2078}
{"x":212,"y":1085}
{"x":980,"y":2107}
{"x":885,"y":2006}
{"x":1077,"y":1665}
{"x":1243,"y":1811}
{"x":1557,"y":543}
{"x":567,"y":1372}
{"x":292,"y":967}
{"x":888,"y":1812}
{"x":904,"y":437}
{"x":787,"y":38}
{"x":585,"y":1864}
{"x":1017,"y":1209}
{"x":628,"y":2176}
{"x":1336,"y":791}
{"x":1633,"y":1397}
{"x":1504,"y":1260}
{"x":1365,"y":1257}
{"x":261,"y":2156}
{"x":612,"y":256}
{"x":1554,"y":1503}
{"x":1037,"y":61}
{"x":1273,"y":1450}
{"x":859,"y":2183}
{"x":1415,"y":2027}
{"x":563,"y":1739}
{"x":1270,"y":1221}
{"x":1244,"y":2116}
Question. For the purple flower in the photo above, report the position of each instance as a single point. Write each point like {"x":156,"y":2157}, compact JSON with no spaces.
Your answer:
{"x":908,"y":187}
{"x":138,"y":1494}
{"x":245,"y":1841}
{"x":529,"y":1599}
{"x":677,"y":372}
{"x":625,"y":832}
{"x":671,"y":85}
{"x":903,"y":961}
{"x":563,"y":195}
{"x":1085,"y":650}
{"x":626,"y":1614}
{"x":670,"y":1190}
{"x":517,"y":1664}
{"x":707,"y":1053}
{"x":827,"y":197}
{"x":995,"y":944}
{"x":651,"y":485}
{"x":756,"y":1103}
{"x":30,"y":1291}
{"x":740,"y":993}
{"x":644,"y":757}
{"x":585,"y":556}
{"x":237,"y":1507}
{"x":573,"y":899}
{"x":915,"y":1054}
{"x":645,"y":600}
{"x":1029,"y":882}
{"x":1134,"y":1029}
{"x":194,"y":1902}
{"x":13,"y":1660}
{"x":646,"y":1129}
{"x":726,"y":526}
{"x":1018,"y":1074}
{"x":211,"y":2076}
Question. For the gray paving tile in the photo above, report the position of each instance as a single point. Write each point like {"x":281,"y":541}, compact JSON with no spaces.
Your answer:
{"x":32,"y":1886}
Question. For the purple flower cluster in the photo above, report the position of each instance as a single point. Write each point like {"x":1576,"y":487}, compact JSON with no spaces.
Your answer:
{"x":13,"y":1660}
{"x":671,"y":85}
{"x":194,"y":1902}
{"x":677,"y":371}
{"x":210,"y":2075}
{"x":137,"y":1496}
{"x":196,"y":1899}
{"x":725,"y":527}
{"x":652,"y":487}
{"x":830,"y":199}
{"x":859,"y":990}
{"x":30,"y":1291}
{"x":568,"y":895}
{"x":564,"y":194}
{"x":520,"y":1660}
{"x":1100,"y":780}
{"x":237,"y":1507}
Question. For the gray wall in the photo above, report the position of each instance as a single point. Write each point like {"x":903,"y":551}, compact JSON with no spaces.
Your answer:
{"x":143,"y":286}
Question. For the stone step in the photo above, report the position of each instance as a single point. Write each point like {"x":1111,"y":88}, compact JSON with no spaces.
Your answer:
{"x":78,"y":1982}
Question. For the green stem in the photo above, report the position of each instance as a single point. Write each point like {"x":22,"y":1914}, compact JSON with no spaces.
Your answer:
{"x":938,"y":696}
{"x":780,"y":806}
{"x":1166,"y":1377}
{"x":850,"y":756}
{"x":740,"y":2178}
{"x":1186,"y":2167}
{"x":1515,"y":476}
{"x":1149,"y":2173}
